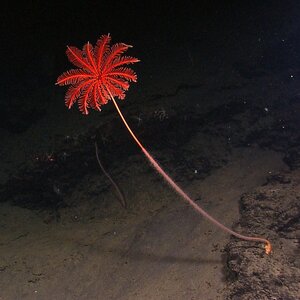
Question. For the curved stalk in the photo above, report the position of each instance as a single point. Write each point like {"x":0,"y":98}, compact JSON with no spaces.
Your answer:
{"x":197,"y":208}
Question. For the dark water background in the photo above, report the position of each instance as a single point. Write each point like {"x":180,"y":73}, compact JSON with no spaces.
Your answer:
{"x":263,"y":36}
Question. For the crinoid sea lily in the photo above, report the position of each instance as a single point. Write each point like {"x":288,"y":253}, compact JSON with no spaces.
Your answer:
{"x":102,"y":76}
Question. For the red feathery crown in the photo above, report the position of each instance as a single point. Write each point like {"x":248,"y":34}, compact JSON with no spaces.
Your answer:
{"x":101,"y":73}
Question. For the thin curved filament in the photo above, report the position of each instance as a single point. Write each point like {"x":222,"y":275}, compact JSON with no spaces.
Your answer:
{"x":268,"y":246}
{"x":120,"y":194}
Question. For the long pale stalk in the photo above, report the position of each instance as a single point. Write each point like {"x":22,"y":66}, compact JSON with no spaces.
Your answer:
{"x":197,"y":208}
